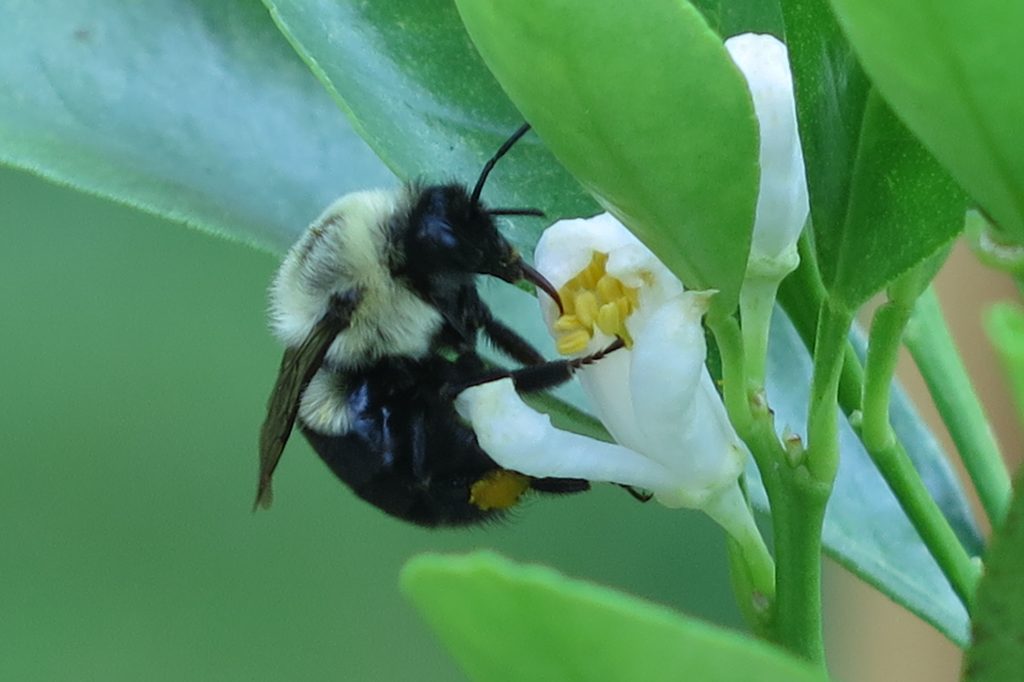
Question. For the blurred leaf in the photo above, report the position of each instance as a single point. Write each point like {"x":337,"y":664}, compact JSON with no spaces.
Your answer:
{"x":951,"y":70}
{"x":643,"y":104}
{"x":997,"y":650}
{"x":192,"y":110}
{"x":1004,"y":323}
{"x":866,"y":530}
{"x":507,"y":622}
{"x":876,"y":195}
{"x":416,"y":90}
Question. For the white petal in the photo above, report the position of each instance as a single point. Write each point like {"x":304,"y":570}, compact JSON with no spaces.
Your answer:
{"x":712,"y":456}
{"x":666,"y":363}
{"x":782,"y":201}
{"x":677,"y":409}
{"x":607,"y":385}
{"x":567,"y":247}
{"x":521,"y":439}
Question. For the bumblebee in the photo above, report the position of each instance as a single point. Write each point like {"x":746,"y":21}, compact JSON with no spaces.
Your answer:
{"x":378,"y":308}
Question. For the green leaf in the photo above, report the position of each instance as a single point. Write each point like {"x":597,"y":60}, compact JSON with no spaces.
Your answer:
{"x":192,"y":110}
{"x":866,"y":530}
{"x":951,"y":70}
{"x":415,"y":89}
{"x":997,"y":650}
{"x":831,"y":93}
{"x":732,"y":17}
{"x":877,"y":196}
{"x":1004,"y":323}
{"x":506,"y":622}
{"x":642,"y":103}
{"x":903,"y":209}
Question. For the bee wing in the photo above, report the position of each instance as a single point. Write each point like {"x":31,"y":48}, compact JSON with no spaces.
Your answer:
{"x":298,"y":366}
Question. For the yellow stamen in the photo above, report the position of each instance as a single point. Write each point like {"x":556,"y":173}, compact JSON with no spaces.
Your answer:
{"x":568,"y":323}
{"x":568,"y":296}
{"x":593,"y":299}
{"x":608,"y":319}
{"x":573,"y":342}
{"x":586,"y":307}
{"x":624,"y":306}
{"x":609,"y":289}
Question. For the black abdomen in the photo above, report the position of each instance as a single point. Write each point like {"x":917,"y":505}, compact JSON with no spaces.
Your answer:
{"x":407,"y":451}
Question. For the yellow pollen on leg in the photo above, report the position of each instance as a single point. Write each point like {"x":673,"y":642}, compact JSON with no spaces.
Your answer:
{"x":593,"y":300}
{"x":498,"y":489}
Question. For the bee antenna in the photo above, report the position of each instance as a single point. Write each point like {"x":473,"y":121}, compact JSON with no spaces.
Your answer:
{"x":517,"y":211}
{"x":489,"y":166}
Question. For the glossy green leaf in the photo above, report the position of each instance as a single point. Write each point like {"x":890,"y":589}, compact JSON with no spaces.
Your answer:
{"x":952,"y":71}
{"x":866,"y":530}
{"x":831,"y":94}
{"x":1004,"y":323}
{"x":732,"y":17}
{"x":643,"y":104}
{"x":196,"y":111}
{"x":997,"y":650}
{"x":508,"y":622}
{"x":415,"y":89}
{"x":880,"y":203}
{"x":903,"y":209}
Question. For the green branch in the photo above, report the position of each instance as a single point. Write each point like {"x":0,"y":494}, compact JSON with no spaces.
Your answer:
{"x":936,"y":356}
{"x":892,"y":461}
{"x":797,"y":503}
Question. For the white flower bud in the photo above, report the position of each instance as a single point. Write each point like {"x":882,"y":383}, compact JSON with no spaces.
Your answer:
{"x":782,"y":200}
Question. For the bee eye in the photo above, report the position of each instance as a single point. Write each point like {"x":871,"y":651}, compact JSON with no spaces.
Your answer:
{"x":438,"y":231}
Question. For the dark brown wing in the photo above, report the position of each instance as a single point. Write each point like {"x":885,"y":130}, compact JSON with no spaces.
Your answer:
{"x":298,"y":366}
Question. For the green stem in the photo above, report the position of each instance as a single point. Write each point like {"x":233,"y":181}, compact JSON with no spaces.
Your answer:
{"x":932,"y":347}
{"x":797,"y":506}
{"x":802,"y":295}
{"x":799,"y":513}
{"x":798,"y":516}
{"x":893,"y":462}
{"x":757,"y":300}
{"x":1004,"y":323}
{"x":753,"y":568}
{"x":823,"y":415}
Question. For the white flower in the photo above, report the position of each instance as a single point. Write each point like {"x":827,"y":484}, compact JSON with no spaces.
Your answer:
{"x":782,"y":201}
{"x":655,"y":396}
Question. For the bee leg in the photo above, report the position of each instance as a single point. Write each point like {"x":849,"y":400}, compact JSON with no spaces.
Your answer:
{"x":556,"y":372}
{"x":510,"y":343}
{"x":638,"y":494}
{"x":539,"y":377}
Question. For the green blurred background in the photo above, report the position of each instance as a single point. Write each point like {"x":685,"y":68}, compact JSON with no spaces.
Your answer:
{"x":135,"y":367}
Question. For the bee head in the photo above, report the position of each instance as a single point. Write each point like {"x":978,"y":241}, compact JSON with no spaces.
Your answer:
{"x":453,"y":235}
